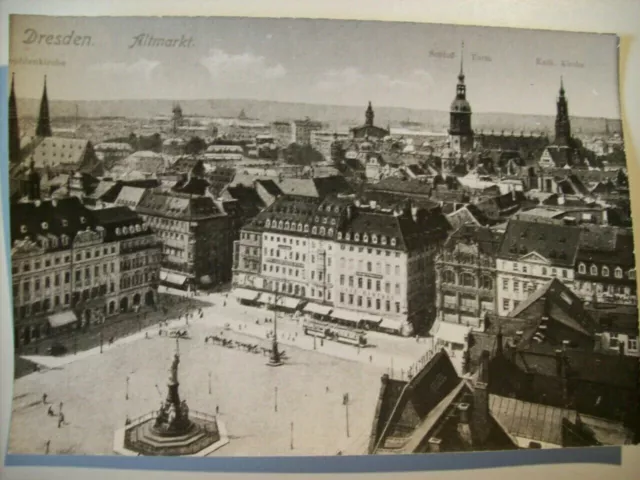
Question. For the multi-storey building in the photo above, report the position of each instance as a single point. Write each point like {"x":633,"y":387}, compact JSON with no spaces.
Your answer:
{"x":67,"y":265}
{"x":301,"y":130}
{"x":605,"y":266}
{"x":281,"y":132}
{"x":323,"y":141}
{"x":360,"y":261}
{"x":196,"y":233}
{"x":466,"y":275}
{"x":531,"y":254}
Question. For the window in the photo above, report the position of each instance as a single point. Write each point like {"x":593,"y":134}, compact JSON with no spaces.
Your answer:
{"x":515,"y":267}
{"x":342,"y":298}
{"x":368,"y":284}
{"x":593,"y":270}
{"x":359,"y":300}
{"x":633,"y":344}
{"x":387,"y":287}
{"x":387,"y":306}
{"x":377,"y":304}
{"x":553,"y":272}
{"x":632,"y":274}
{"x":368,"y":266}
{"x":359,"y":282}
{"x":582,"y":268}
{"x":565,"y":274}
{"x":505,"y":284}
{"x":356,"y":237}
{"x":618,"y":272}
{"x":397,"y":307}
{"x":350,"y":299}
{"x":341,"y":279}
{"x":377,"y":285}
{"x":448,"y":277}
{"x":516,"y":286}
{"x":506,"y":304}
{"x":397,"y":270}
{"x":397,"y":289}
{"x":524,"y":269}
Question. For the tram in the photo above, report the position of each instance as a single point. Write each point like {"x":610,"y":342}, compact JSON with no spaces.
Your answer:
{"x":328,"y":331}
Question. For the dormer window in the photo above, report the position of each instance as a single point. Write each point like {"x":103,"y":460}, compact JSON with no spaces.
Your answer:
{"x":83,"y":220}
{"x":582,"y":268}
{"x":618,"y":272}
{"x":65,"y":240}
{"x":44,"y":225}
{"x":322,"y":231}
{"x":347,"y":236}
{"x":365,"y":238}
{"x":324,"y":220}
{"x":125,"y":230}
{"x":605,"y":271}
{"x":299,"y":227}
{"x":356,"y":237}
{"x":65,"y":222}
{"x":118,"y":231}
{"x":374,"y":239}
{"x":383,"y":240}
{"x":333,"y":221}
{"x":286,"y":225}
{"x":267,"y":223}
{"x":593,"y":270}
{"x":340,"y":238}
{"x":393,"y":242}
{"x":632,"y":274}
{"x":314,"y":231}
{"x":330,"y":232}
{"x":45,"y":243}
{"x":280,"y":224}
{"x":23,"y":229}
{"x":306,"y":228}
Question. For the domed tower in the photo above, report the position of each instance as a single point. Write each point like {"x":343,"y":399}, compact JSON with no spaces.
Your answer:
{"x":460,"y":132}
{"x":177,"y":117}
{"x":368,"y":116}
{"x":336,"y":149}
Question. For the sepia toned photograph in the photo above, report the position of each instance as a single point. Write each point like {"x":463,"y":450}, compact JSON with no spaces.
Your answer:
{"x":279,"y":237}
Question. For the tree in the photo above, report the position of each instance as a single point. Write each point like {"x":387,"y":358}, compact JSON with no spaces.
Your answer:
{"x":194,"y":146}
{"x":296,"y":154}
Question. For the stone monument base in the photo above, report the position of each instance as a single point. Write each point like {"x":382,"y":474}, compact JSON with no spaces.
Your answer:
{"x":205,"y":435}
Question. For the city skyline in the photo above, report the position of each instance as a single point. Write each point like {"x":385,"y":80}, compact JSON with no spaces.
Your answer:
{"x":292,"y":61}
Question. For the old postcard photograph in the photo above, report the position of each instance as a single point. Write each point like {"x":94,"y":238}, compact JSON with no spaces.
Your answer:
{"x":274,"y":237}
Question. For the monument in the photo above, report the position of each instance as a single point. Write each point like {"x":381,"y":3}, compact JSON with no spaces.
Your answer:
{"x":172,"y":430}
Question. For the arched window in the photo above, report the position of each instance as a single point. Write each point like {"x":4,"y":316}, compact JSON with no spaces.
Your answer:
{"x":632,"y":274}
{"x":467,"y":280}
{"x":356,"y":237}
{"x":330,"y":233}
{"x":347,"y":236}
{"x":280,"y":224}
{"x":393,"y":242}
{"x":365,"y":238}
{"x":374,"y":239}
{"x":605,"y":271}
{"x":314,"y":230}
{"x":299,"y":227}
{"x":286,"y":225}
{"x":267,"y":223}
{"x":448,"y":276}
{"x":618,"y":272}
{"x":306,"y":228}
{"x":322,"y":231}
{"x":593,"y":270}
{"x":339,"y":235}
{"x":582,"y":268}
{"x":383,"y":240}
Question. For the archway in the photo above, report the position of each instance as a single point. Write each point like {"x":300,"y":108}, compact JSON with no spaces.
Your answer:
{"x":148,"y":298}
{"x":124,"y":304}
{"x":136,"y":299}
{"x":112,"y":307}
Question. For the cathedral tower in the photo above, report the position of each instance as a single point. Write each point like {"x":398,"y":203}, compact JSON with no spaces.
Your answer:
{"x":563,"y":125}
{"x":460,"y":133}
{"x":368,"y":116}
{"x":44,"y":122}
{"x":14,"y":129}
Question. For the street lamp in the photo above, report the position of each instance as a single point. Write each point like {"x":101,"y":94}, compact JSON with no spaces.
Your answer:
{"x":346,"y":410}
{"x":126,"y":395}
{"x":275,"y":360}
{"x":209,"y":383}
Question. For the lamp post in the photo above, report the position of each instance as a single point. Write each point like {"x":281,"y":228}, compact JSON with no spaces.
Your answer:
{"x":101,"y":339}
{"x":275,"y":359}
{"x":209,"y":383}
{"x":346,"y":410}
{"x":126,"y":394}
{"x":291,"y":436}
{"x":275,"y":404}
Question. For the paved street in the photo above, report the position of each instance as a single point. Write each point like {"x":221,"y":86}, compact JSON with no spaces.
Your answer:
{"x":93,"y":387}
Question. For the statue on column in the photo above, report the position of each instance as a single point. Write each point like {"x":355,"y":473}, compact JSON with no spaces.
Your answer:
{"x":173,"y":370}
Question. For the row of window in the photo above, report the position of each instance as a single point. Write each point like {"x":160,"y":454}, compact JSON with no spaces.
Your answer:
{"x":605,"y":272}
{"x":370,"y":251}
{"x":28,"y":265}
{"x":351,"y":265}
{"x":527,"y":287}
{"x":530,"y":269}
{"x":369,"y":284}
{"x":467,"y":280}
{"x":360,"y":302}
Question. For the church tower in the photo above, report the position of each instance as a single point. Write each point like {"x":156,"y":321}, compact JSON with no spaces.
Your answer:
{"x":368,"y":116}
{"x":33,"y":183}
{"x":460,"y":133}
{"x":14,"y":129}
{"x":563,"y":125}
{"x":44,"y":122}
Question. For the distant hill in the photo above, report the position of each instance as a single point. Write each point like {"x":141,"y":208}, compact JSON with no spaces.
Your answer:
{"x":333,"y":115}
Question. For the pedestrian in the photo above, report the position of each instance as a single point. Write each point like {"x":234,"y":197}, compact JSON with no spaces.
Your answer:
{"x":217,"y":409}
{"x":370,"y":358}
{"x":44,"y":398}
{"x":50,"y":411}
{"x":146,"y":335}
{"x":46,"y":447}
{"x":327,"y":389}
{"x":60,"y":407}
{"x":60,"y":419}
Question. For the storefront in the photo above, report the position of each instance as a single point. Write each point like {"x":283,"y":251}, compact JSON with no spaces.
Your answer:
{"x":346,"y":317}
{"x":317,"y":311}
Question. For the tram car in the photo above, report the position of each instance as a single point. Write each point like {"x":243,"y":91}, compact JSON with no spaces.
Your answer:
{"x":336,"y":333}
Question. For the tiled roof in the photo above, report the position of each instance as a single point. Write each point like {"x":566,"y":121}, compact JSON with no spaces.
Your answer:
{"x":607,"y":245}
{"x":270,"y":186}
{"x":115,"y":218}
{"x":487,"y":240}
{"x":557,"y":243}
{"x":59,"y":150}
{"x":178,"y":205}
{"x":129,"y":196}
{"x":395,"y":185}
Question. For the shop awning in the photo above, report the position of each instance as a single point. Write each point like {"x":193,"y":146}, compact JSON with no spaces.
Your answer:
{"x":317,"y":309}
{"x":269,"y":298}
{"x":205,"y":280}
{"x":62,"y":318}
{"x":391,"y":324}
{"x":245,"y":294}
{"x":367,"y":317}
{"x":289,"y":302}
{"x":346,"y":315}
{"x":173,"y":278}
{"x":452,"y":333}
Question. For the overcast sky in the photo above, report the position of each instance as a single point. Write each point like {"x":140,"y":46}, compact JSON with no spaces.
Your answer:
{"x":326,"y":62}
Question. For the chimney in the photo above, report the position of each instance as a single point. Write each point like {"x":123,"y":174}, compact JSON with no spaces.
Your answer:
{"x":559,"y":369}
{"x":480,"y":413}
{"x":434,"y":444}
{"x":464,"y":430}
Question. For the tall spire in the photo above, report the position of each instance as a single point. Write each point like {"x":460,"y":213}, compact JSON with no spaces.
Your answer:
{"x":461,"y":75}
{"x":563,"y":123}
{"x":14,"y":128}
{"x":44,"y":122}
{"x":561,"y":86}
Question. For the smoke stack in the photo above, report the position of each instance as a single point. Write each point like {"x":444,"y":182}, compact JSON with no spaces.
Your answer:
{"x":434,"y":444}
